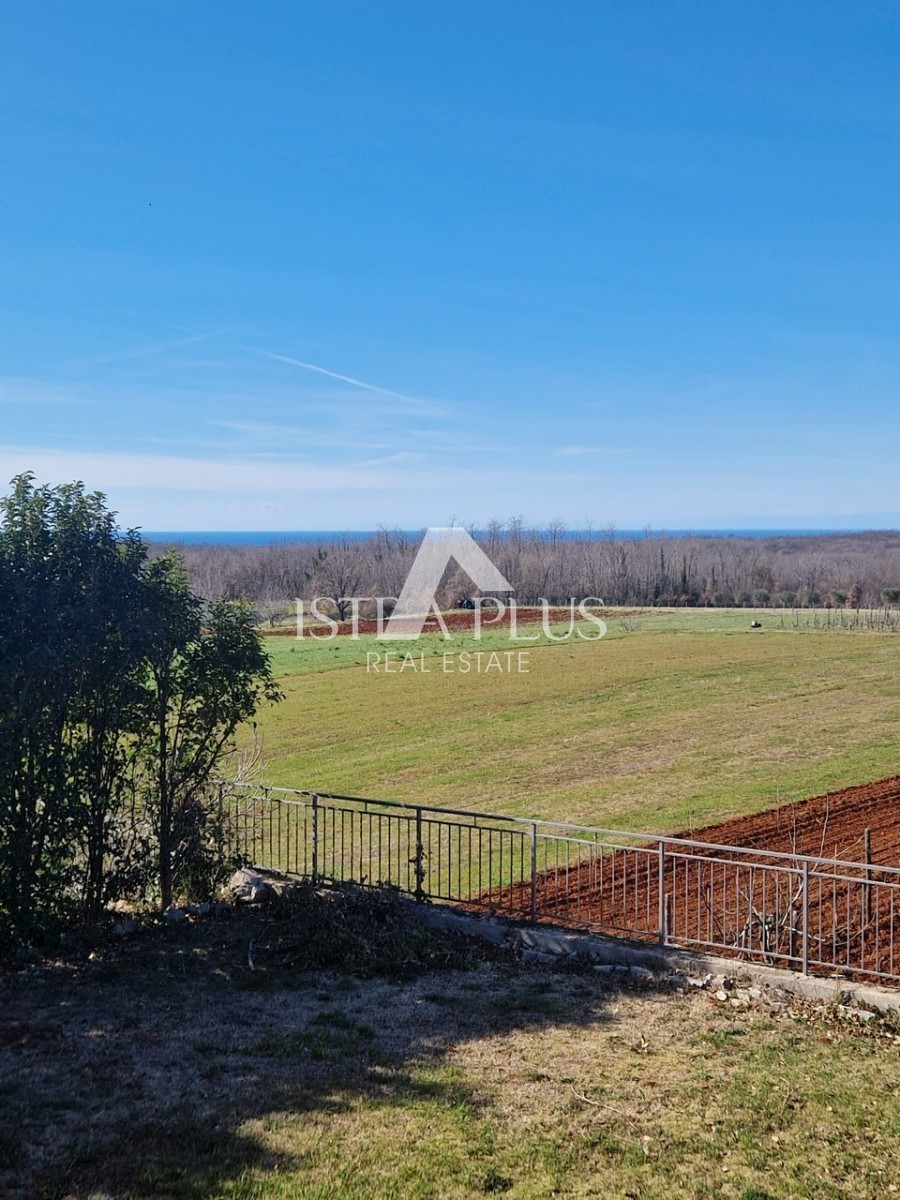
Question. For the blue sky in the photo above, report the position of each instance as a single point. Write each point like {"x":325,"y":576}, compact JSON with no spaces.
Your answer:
{"x":607,"y":262}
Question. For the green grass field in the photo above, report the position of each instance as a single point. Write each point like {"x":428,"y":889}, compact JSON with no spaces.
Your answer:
{"x":689,"y":718}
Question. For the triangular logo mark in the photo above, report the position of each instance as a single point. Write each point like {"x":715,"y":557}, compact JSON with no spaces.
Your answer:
{"x":417,"y":600}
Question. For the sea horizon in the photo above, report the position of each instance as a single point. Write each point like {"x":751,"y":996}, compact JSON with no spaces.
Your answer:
{"x":260,"y":537}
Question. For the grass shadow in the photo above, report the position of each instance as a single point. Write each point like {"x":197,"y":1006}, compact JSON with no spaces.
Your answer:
{"x":186,"y":1041}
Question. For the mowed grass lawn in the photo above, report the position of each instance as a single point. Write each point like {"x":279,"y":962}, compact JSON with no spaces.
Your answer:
{"x":689,"y":718}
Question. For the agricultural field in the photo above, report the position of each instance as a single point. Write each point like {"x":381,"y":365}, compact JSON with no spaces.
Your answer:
{"x":674,"y":720}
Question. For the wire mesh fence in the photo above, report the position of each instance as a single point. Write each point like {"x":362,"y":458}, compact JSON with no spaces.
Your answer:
{"x":813,"y":914}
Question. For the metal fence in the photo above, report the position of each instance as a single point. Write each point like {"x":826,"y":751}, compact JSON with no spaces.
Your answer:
{"x":814,"y":914}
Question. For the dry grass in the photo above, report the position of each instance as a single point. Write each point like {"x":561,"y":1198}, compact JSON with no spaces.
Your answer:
{"x":163,"y":1067}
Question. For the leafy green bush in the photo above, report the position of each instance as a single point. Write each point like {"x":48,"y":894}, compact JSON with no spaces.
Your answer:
{"x":120,"y":694}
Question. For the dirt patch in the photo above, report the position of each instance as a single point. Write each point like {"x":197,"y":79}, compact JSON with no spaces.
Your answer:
{"x":747,"y":904}
{"x":457,"y":621}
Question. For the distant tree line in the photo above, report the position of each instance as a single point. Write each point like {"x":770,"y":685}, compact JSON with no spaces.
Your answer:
{"x":831,"y":571}
{"x":120,"y":693}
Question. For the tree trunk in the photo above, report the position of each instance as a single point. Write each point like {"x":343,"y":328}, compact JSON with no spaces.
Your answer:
{"x":165,"y":810}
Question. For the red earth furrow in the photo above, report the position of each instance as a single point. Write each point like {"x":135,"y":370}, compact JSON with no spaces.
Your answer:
{"x":832,"y":825}
{"x":734,"y":901}
{"x":457,"y":621}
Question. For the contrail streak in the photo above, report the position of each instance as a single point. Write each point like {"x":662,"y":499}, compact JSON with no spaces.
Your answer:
{"x":423,"y":405}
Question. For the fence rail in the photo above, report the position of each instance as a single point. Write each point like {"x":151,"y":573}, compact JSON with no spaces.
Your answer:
{"x":814,"y":914}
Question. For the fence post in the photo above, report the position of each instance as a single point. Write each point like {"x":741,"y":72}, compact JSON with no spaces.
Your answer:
{"x":419,"y":860}
{"x":267,"y":793}
{"x":662,"y":893}
{"x":534,"y":913}
{"x":315,"y":838}
{"x":805,"y":966}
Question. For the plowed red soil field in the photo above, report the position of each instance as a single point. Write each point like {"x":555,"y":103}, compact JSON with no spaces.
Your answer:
{"x":457,"y":621}
{"x":829,"y":826}
{"x":747,"y":902}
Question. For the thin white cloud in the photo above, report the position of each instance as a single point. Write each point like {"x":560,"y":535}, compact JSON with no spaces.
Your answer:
{"x":272,"y":432}
{"x":428,"y":406}
{"x":580,"y":451}
{"x":29,"y":391}
{"x":145,"y":351}
{"x":162,"y":472}
{"x":171,"y":491}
